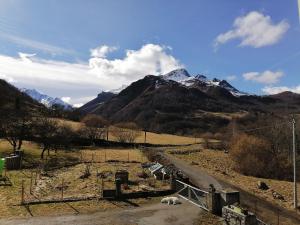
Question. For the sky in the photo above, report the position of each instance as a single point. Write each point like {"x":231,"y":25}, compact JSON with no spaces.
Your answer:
{"x":74,"y":49}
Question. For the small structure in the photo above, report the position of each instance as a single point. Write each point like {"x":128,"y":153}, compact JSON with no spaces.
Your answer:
{"x":13,"y":162}
{"x":233,"y":215}
{"x":122,"y":175}
{"x":156,"y":170}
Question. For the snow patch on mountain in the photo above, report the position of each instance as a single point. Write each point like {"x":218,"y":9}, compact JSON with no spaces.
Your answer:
{"x":45,"y":99}
{"x":183,"y":77}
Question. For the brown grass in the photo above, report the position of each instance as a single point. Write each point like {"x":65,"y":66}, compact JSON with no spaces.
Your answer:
{"x":152,"y":138}
{"x":220,"y":165}
{"x":48,"y":187}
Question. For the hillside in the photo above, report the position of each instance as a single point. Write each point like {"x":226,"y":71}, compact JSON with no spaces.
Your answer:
{"x":93,"y":104}
{"x":10,"y":96}
{"x":46,"y":100}
{"x":180,"y":103}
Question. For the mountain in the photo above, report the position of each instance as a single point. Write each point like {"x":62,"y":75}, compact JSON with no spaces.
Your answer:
{"x":96,"y":102}
{"x":45,"y":99}
{"x":183,"y":77}
{"x":178,"y":102}
{"x":10,"y":96}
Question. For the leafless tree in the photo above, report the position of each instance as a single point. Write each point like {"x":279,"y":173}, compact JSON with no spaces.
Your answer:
{"x":94,"y":127}
{"x":15,"y":128}
{"x":126,"y":132}
{"x":45,"y":130}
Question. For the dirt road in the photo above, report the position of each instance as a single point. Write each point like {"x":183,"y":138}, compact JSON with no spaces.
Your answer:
{"x":270,"y":213}
{"x":162,"y":214}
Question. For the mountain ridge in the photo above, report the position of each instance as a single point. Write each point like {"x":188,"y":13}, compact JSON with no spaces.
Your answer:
{"x":180,"y":102}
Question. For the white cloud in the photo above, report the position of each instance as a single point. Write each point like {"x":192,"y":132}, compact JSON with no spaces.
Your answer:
{"x":66,"y":99}
{"x":231,"y":78}
{"x":280,"y":89}
{"x":254,"y":29}
{"x":78,"y":105}
{"x":36,"y":44}
{"x":7,"y":78}
{"x":25,"y":57}
{"x":86,"y":79}
{"x":266,"y":77}
{"x":102,"y":51}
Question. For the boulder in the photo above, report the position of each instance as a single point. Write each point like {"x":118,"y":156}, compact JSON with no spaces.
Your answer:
{"x":262,"y":185}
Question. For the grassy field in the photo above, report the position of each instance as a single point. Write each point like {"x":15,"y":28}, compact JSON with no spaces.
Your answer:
{"x":152,"y":138}
{"x":48,"y":185}
{"x":220,"y":165}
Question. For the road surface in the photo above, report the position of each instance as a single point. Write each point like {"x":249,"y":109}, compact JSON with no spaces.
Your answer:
{"x":266,"y":210}
{"x":162,"y":214}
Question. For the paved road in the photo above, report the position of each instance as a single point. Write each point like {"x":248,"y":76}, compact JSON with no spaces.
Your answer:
{"x":155,"y":214}
{"x":267,"y":211}
{"x":197,"y":176}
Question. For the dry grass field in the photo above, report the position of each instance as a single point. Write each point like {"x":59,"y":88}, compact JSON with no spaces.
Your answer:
{"x":152,"y":138}
{"x":48,"y":186}
{"x":220,"y":165}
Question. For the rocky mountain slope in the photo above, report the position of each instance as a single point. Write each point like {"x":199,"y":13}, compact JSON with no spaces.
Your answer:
{"x":45,"y":99}
{"x":178,"y":102}
{"x":11,"y":96}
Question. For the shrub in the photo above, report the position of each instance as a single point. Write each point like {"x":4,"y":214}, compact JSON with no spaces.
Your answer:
{"x":253,"y":156}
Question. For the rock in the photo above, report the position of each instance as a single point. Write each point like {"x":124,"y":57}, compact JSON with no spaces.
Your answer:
{"x":262,"y":185}
{"x":278,"y":196}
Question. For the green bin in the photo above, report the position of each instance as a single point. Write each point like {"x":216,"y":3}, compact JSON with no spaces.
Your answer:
{"x":2,"y":163}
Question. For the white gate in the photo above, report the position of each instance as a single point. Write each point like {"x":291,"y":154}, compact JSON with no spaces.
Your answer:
{"x":192,"y":194}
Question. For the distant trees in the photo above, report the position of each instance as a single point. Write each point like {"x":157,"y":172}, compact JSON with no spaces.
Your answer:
{"x":266,"y":152}
{"x":52,"y":135}
{"x":94,"y":127}
{"x":14,"y":129}
{"x":126,"y":132}
{"x":15,"y":125}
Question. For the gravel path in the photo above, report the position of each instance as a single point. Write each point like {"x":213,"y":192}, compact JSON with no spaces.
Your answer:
{"x":155,"y":214}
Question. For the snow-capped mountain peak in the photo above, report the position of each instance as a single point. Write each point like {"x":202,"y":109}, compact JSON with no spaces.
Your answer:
{"x":177,"y":75}
{"x":183,"y":77}
{"x":45,"y":99}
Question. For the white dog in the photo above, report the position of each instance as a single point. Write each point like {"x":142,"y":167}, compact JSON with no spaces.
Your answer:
{"x":171,"y":200}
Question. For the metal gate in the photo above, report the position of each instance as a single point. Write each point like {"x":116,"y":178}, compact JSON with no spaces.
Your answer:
{"x":192,"y":194}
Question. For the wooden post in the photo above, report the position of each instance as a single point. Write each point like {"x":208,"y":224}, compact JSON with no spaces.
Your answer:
{"x":145,"y":137}
{"x":92,"y":158}
{"x":127,"y":156}
{"x":36,"y":174}
{"x":22,"y":193}
{"x":104,"y":155}
{"x":62,"y":189}
{"x":107,"y":131}
{"x":102,"y":188}
{"x":31,"y":179}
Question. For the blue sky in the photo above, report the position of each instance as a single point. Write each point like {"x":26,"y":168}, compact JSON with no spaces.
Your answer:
{"x":48,"y":45}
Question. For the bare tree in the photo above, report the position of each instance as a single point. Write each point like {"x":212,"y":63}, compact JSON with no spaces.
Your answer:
{"x":45,"y":130}
{"x":15,"y":128}
{"x":126,"y":132}
{"x":94,"y":127}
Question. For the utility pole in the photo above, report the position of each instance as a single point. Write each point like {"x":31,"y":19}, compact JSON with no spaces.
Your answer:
{"x":295,"y":164}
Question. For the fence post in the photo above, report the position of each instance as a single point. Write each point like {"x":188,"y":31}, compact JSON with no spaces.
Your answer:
{"x":62,"y":189}
{"x":127,"y":156}
{"x":31,"y":179}
{"x":36,"y":174}
{"x":22,"y":193}
{"x":104,"y":155}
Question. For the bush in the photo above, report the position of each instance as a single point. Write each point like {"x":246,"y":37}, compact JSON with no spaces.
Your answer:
{"x":253,"y":156}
